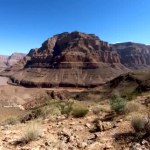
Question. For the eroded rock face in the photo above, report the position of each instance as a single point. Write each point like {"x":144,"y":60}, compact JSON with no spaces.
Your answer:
{"x":74,"y":49}
{"x":134,"y":55}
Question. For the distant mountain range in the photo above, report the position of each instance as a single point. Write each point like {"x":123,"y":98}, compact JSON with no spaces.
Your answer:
{"x":77,"y":59}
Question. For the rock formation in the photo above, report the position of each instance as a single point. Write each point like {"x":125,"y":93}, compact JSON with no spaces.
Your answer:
{"x":77,"y":59}
{"x":134,"y":55}
{"x":74,"y":49}
{"x":70,"y":59}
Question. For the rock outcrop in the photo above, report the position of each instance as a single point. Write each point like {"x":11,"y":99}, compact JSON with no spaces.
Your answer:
{"x":134,"y":55}
{"x":68,"y":50}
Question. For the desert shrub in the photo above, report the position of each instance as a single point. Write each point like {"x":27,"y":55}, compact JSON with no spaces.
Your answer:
{"x":50,"y":111}
{"x":11,"y":121}
{"x":32,"y":133}
{"x":37,"y":112}
{"x":97,"y":110}
{"x":118,"y":104}
{"x":138,"y":123}
{"x":132,"y":107}
{"x":79,"y":111}
{"x":65,"y":108}
{"x":128,"y":94}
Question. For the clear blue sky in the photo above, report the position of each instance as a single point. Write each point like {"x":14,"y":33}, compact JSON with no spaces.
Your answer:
{"x":25,"y":24}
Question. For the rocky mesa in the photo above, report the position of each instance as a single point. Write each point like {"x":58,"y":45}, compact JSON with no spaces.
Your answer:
{"x":70,"y":59}
{"x":134,"y":55}
{"x":78,"y":60}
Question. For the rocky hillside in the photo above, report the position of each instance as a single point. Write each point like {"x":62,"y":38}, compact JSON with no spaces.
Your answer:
{"x":134,"y":55}
{"x":70,"y":59}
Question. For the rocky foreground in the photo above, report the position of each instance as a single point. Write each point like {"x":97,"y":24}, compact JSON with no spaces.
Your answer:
{"x":98,"y":130}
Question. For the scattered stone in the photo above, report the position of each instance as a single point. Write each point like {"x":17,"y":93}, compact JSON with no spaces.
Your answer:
{"x":88,"y":125}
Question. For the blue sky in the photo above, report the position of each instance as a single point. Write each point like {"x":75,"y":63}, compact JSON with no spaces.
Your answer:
{"x":25,"y":24}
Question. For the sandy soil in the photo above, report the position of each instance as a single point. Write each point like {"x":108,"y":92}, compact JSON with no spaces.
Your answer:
{"x":3,"y":80}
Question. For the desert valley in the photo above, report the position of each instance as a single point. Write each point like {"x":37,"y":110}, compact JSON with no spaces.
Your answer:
{"x":76,"y":92}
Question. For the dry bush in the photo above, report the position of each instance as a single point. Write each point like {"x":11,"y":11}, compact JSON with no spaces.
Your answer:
{"x":31,"y":133}
{"x":98,"y":110}
{"x":138,"y":123}
{"x":11,"y":121}
{"x":79,"y":111}
{"x":132,"y":107}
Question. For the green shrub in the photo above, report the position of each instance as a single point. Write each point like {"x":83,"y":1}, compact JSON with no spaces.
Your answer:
{"x":65,"y":108}
{"x":79,"y":111}
{"x":37,"y":112}
{"x":118,"y":104}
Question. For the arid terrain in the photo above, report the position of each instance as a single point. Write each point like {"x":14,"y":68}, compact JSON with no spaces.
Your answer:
{"x":76,"y":92}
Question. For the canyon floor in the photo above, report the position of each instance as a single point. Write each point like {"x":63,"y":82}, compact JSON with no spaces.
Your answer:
{"x":99,"y":129}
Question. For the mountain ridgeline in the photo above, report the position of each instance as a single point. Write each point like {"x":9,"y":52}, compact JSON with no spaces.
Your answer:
{"x":78,"y":59}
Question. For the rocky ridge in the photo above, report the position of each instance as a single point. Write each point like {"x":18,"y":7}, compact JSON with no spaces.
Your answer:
{"x":134,"y":55}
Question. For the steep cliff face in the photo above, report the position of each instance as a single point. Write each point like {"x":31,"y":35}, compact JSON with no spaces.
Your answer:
{"x":134,"y":55}
{"x":74,"y":49}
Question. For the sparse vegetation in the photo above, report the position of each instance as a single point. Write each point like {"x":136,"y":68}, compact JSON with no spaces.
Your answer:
{"x":118,"y":104}
{"x":138,"y":123}
{"x":11,"y":121}
{"x":97,"y":110}
{"x":32,"y":133}
{"x":66,"y":108}
{"x":79,"y":111}
{"x":132,"y":107}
